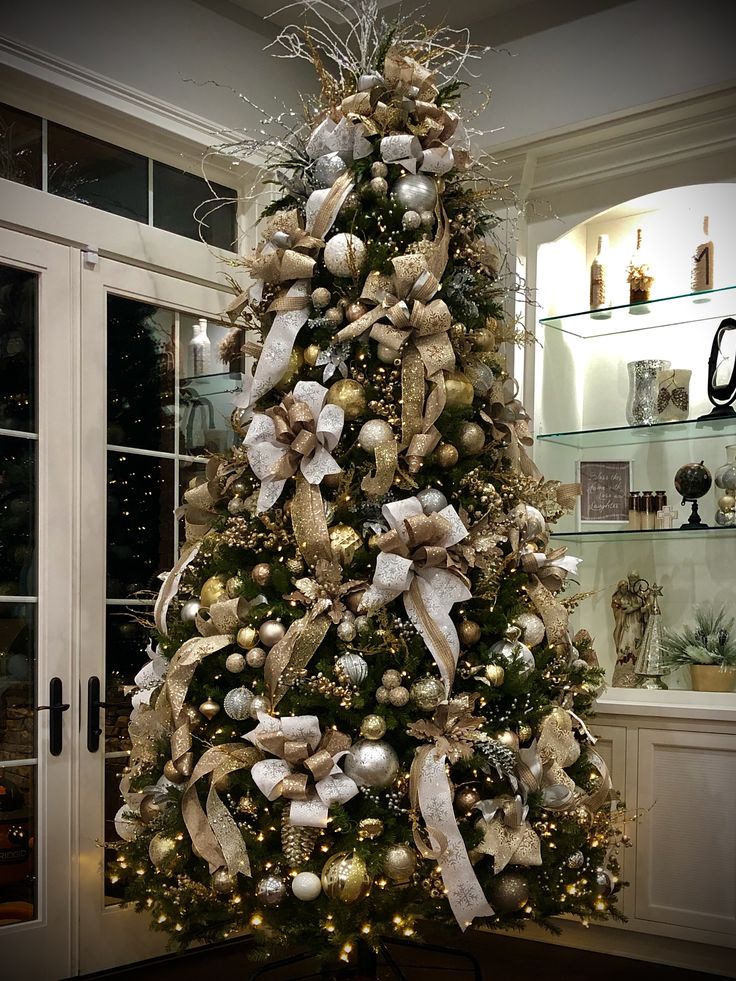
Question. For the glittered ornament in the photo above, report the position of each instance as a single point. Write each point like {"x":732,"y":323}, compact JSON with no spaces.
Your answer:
{"x":161,"y":848}
{"x":345,"y":877}
{"x":306,"y":886}
{"x":458,"y":389}
{"x":379,"y":186}
{"x":350,"y":396}
{"x":411,"y":220}
{"x":270,"y":890}
{"x":189,"y":610}
{"x":525,"y":732}
{"x":382,"y":695}
{"x":469,"y":632}
{"x":427,"y":693}
{"x":354,"y":311}
{"x":237,"y":703}
{"x":495,"y":674}
{"x":345,"y":542}
{"x":532,"y":628}
{"x":446,"y":455}
{"x":333,"y":316}
{"x":432,"y":500}
{"x":398,"y":696}
{"x":271,"y":632}
{"x":427,"y":219}
{"x":379,"y":169}
{"x":235,"y":662}
{"x":151,"y":807}
{"x":247,"y":637}
{"x":373,"y":727}
{"x":508,"y":892}
{"x":415,"y":192}
{"x":516,"y":653}
{"x":351,"y":668}
{"x":371,"y":763}
{"x":256,"y":657}
{"x":246,"y":805}
{"x":311,"y":353}
{"x":213,"y":590}
{"x":370,"y":828}
{"x":470,"y":438}
{"x":575,"y":861}
{"x":209,"y":708}
{"x":261,"y":574}
{"x":234,"y":586}
{"x":399,"y":862}
{"x":466,"y":798}
{"x":346,"y":630}
{"x":344,"y":255}
{"x":223,"y":882}
{"x":373,"y":434}
{"x":321,"y":298}
{"x":391,"y":678}
{"x":363,"y":624}
{"x":328,"y":168}
{"x":258,"y":705}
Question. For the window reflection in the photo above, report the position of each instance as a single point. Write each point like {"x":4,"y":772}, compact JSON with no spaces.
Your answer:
{"x":17,"y":844}
{"x":20,"y":146}
{"x":18,"y":315}
{"x":17,"y":518}
{"x":187,"y":205}
{"x":17,"y":681}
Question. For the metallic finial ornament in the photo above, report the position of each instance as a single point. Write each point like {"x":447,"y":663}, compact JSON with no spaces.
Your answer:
{"x":650,"y":665}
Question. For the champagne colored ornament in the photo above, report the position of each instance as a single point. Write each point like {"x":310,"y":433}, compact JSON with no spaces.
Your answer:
{"x":350,"y":396}
{"x":495,"y":674}
{"x":270,"y":890}
{"x":432,"y":500}
{"x":508,"y":892}
{"x":484,"y":340}
{"x":209,"y":708}
{"x":470,"y":438}
{"x":246,"y":805}
{"x":427,"y":219}
{"x":398,"y":696}
{"x":344,"y":255}
{"x":373,"y":727}
{"x":234,"y":586}
{"x":321,"y":298}
{"x":427,"y":693}
{"x":237,"y":703}
{"x":311,"y":353}
{"x":354,"y":311}
{"x":532,"y":627}
{"x":261,"y":574}
{"x":345,"y":542}
{"x":411,"y":220}
{"x":576,"y":860}
{"x":213,"y":590}
{"x":379,"y":186}
{"x":399,"y":862}
{"x":296,"y":360}
{"x":189,"y":610}
{"x":247,"y":637}
{"x":345,"y":877}
{"x":306,"y":886}
{"x":525,"y":732}
{"x":466,"y":798}
{"x":386,"y":354}
{"x":352,"y":668}
{"x":373,"y":434}
{"x":415,"y":192}
{"x":382,"y":695}
{"x":370,"y":828}
{"x":271,"y":632}
{"x":469,"y":632}
{"x":458,"y":389}
{"x":391,"y":678}
{"x":346,"y":631}
{"x":150,"y":808}
{"x":508,"y":739}
{"x":127,"y":825}
{"x":161,"y":848}
{"x":371,"y":763}
{"x":259,"y":704}
{"x":171,"y":773}
{"x":379,"y":169}
{"x":333,"y":316}
{"x":353,"y":601}
{"x":223,"y":882}
{"x":447,"y":455}
{"x":256,"y":657}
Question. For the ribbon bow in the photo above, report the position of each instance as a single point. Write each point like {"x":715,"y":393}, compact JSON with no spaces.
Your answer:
{"x":507,"y":835}
{"x":415,"y":562}
{"x":298,"y":742}
{"x":346,"y":138}
{"x":299,"y":434}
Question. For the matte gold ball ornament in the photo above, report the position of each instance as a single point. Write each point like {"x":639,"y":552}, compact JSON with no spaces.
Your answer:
{"x":247,"y":637}
{"x":447,"y":455}
{"x":213,"y":590}
{"x":458,"y":389}
{"x":399,"y":862}
{"x":350,"y":396}
{"x":469,"y":632}
{"x":345,"y":877}
{"x":261,"y":574}
{"x":470,"y":438}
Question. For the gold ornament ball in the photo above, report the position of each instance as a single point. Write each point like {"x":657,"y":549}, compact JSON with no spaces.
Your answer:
{"x":508,"y":892}
{"x":271,"y":632}
{"x":171,"y":773}
{"x":427,"y":693}
{"x":469,"y":632}
{"x":354,"y":600}
{"x":235,"y":662}
{"x":399,"y":862}
{"x":525,"y":733}
{"x":508,"y":739}
{"x":213,"y":590}
{"x":321,"y":297}
{"x":333,"y":316}
{"x":495,"y":674}
{"x":256,"y":657}
{"x":447,"y":455}
{"x":234,"y":586}
{"x":373,"y":727}
{"x":311,"y":354}
{"x":354,"y":311}
{"x":398,"y":696}
{"x":470,"y":438}
{"x":222,"y":882}
{"x":247,"y":637}
{"x":345,"y":542}
{"x":350,"y":396}
{"x":150,"y":808}
{"x":346,"y":878}
{"x":370,"y":828}
{"x":484,"y":340}
{"x":261,"y":574}
{"x":382,"y":695}
{"x":391,"y":678}
{"x":466,"y":798}
{"x":458,"y":389}
{"x":161,"y":848}
{"x":239,"y":421}
{"x":386,"y":354}
{"x":296,"y":360}
{"x":209,"y":708}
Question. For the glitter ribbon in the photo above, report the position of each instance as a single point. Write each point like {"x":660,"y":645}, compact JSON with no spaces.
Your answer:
{"x":293,"y":652}
{"x":386,"y":455}
{"x":510,"y":425}
{"x":507,"y":836}
{"x":415,"y":563}
{"x":297,"y":741}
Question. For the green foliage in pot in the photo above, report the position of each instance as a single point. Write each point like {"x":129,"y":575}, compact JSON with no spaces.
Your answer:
{"x":710,"y":640}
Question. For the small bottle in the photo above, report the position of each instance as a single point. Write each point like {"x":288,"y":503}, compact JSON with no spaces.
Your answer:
{"x":648,"y":513}
{"x":701,"y":274}
{"x":634,"y":511}
{"x":200,"y":349}
{"x":660,"y":498}
{"x":639,"y":275}
{"x":598,"y":281}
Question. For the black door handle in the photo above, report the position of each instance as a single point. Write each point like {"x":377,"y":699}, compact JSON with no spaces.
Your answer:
{"x":55,"y":708}
{"x":94,"y":729}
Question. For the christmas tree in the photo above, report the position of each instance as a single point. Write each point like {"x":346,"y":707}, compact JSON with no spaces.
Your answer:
{"x":363,"y":706}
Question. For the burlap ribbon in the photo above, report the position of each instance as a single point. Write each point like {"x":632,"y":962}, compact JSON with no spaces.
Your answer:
{"x":415,"y":563}
{"x":305,"y":769}
{"x":507,"y":835}
{"x":299,"y":434}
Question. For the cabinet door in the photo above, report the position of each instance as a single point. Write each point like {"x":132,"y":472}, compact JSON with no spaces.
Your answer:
{"x":37,"y":607}
{"x":686,"y":848}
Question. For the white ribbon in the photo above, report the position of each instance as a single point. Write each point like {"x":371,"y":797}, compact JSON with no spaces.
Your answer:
{"x":567,"y":563}
{"x":279,"y":343}
{"x":439,"y":588}
{"x":347,"y":139}
{"x":148,"y":679}
{"x":169,"y":590}
{"x":265,"y":452}
{"x":464,"y":893}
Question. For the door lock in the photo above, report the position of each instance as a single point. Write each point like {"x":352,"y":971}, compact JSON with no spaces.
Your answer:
{"x":94,"y":729}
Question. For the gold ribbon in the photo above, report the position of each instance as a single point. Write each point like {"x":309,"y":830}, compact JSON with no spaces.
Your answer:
{"x":293,"y":653}
{"x":309,"y":523}
{"x":510,"y":424}
{"x":386,"y":456}
{"x":553,"y":613}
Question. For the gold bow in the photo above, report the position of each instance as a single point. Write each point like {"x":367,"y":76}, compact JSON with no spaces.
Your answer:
{"x":283,"y":255}
{"x":510,"y":425}
{"x":423,"y":533}
{"x":507,"y":836}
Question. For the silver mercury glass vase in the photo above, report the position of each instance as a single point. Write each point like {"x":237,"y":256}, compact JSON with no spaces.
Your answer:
{"x":641,"y":409}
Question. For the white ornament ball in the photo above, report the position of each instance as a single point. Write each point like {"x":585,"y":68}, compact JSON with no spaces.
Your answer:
{"x":235,"y":662}
{"x":189,"y":610}
{"x":127,"y":824}
{"x":346,"y":630}
{"x":432,"y":500}
{"x":328,"y":168}
{"x":371,"y":763}
{"x":306,"y":886}
{"x":415,"y":192}
{"x":344,"y":255}
{"x":516,"y":652}
{"x":533,"y":628}
{"x":374,"y":433}
{"x":237,"y":703}
{"x":255,"y":657}
{"x":271,"y":632}
{"x":351,"y":666}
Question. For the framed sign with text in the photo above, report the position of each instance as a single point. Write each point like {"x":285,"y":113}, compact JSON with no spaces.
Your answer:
{"x":605,"y":490}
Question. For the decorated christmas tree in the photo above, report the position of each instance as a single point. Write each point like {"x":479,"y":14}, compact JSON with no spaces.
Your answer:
{"x":363,"y":707}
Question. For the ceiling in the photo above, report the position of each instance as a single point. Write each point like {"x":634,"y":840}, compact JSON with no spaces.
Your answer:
{"x":493,"y":21}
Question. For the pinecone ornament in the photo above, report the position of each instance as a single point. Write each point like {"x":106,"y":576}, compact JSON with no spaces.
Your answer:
{"x":297,"y":843}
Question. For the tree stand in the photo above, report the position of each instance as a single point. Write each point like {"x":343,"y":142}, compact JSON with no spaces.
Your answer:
{"x":367,"y":963}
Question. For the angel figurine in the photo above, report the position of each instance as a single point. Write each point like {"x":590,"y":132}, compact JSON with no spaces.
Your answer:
{"x":631,"y":606}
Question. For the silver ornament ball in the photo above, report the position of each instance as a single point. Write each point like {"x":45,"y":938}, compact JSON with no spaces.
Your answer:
{"x":427,"y":219}
{"x":373,"y":434}
{"x":189,"y":610}
{"x":415,"y":192}
{"x":328,"y":168}
{"x":271,"y":632}
{"x":270,"y":890}
{"x":258,"y":704}
{"x":411,"y":220}
{"x":371,"y":763}
{"x":237,"y":703}
{"x":518,"y":653}
{"x":344,"y":255}
{"x":346,"y":631}
{"x":351,"y":667}
{"x":576,"y":860}
{"x":532,"y":627}
{"x":432,"y":500}
{"x":235,"y":662}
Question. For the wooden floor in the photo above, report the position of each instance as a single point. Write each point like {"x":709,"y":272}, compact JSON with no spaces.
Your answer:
{"x":501,"y":958}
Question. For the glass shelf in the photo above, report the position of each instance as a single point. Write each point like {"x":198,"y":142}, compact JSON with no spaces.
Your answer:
{"x":663,"y":534}
{"x":660,"y":432}
{"x":664,"y":311}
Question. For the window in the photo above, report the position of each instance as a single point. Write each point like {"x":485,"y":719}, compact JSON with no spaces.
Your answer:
{"x":20,"y":147}
{"x":188,"y":205}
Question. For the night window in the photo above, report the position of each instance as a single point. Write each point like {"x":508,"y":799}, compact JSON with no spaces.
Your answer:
{"x":187,"y":205}
{"x":20,"y":147}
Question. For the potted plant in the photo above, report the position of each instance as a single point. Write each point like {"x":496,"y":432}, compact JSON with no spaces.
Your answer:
{"x":708,"y":646}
